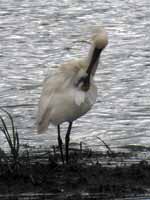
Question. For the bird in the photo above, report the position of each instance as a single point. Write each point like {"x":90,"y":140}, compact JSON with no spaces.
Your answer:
{"x":70,"y":92}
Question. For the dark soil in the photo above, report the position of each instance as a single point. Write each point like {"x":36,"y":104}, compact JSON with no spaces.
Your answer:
{"x":78,"y":177}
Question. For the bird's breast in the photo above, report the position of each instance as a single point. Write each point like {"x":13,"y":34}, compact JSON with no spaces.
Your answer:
{"x":72,"y":103}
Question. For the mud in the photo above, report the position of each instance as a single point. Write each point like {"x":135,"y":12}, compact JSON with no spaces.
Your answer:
{"x":85,"y":174}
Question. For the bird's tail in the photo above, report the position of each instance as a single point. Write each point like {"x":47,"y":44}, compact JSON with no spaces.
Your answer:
{"x":41,"y":128}
{"x":42,"y":123}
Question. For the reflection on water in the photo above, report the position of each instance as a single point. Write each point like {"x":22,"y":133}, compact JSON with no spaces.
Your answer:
{"x":36,"y":35}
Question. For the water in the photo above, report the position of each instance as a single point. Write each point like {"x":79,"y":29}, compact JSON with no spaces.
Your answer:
{"x":35,"y":36}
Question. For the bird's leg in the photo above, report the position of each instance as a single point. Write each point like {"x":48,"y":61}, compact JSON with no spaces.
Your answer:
{"x":67,"y":139}
{"x":60,"y":144}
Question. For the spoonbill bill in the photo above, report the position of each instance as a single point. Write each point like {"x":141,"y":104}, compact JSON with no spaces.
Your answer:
{"x":70,"y":92}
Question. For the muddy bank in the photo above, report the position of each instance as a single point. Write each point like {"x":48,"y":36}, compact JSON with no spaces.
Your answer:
{"x":81,"y":176}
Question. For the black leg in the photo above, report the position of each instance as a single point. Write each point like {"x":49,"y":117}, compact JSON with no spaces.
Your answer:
{"x":60,"y":144}
{"x":67,"y":139}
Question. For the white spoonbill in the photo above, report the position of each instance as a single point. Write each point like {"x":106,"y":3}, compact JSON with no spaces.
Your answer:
{"x":70,"y":92}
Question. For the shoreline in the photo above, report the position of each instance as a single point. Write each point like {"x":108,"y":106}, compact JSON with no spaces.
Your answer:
{"x":85,"y":174}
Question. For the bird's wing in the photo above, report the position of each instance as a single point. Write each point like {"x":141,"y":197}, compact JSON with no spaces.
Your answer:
{"x":51,"y":86}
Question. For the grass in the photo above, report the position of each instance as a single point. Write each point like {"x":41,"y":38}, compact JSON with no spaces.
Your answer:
{"x":11,"y":135}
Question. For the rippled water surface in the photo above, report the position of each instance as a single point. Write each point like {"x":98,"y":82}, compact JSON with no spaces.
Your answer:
{"x":35,"y":36}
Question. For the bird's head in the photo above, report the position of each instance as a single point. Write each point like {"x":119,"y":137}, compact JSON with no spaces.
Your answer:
{"x":100,"y":39}
{"x":80,"y":71}
{"x":99,"y":42}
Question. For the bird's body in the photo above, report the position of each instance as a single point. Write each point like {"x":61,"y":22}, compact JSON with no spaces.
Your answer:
{"x":61,"y":101}
{"x":70,"y":92}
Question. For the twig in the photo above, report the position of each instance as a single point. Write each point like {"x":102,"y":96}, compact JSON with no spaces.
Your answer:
{"x":106,"y":145}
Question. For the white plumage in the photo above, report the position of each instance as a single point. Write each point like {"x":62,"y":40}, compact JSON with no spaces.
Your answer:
{"x":70,"y":92}
{"x":60,"y":100}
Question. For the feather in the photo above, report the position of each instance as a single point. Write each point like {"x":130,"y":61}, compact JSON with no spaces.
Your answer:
{"x":79,"y":97}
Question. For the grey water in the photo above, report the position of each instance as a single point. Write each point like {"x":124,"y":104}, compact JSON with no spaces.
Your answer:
{"x":37,"y":36}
